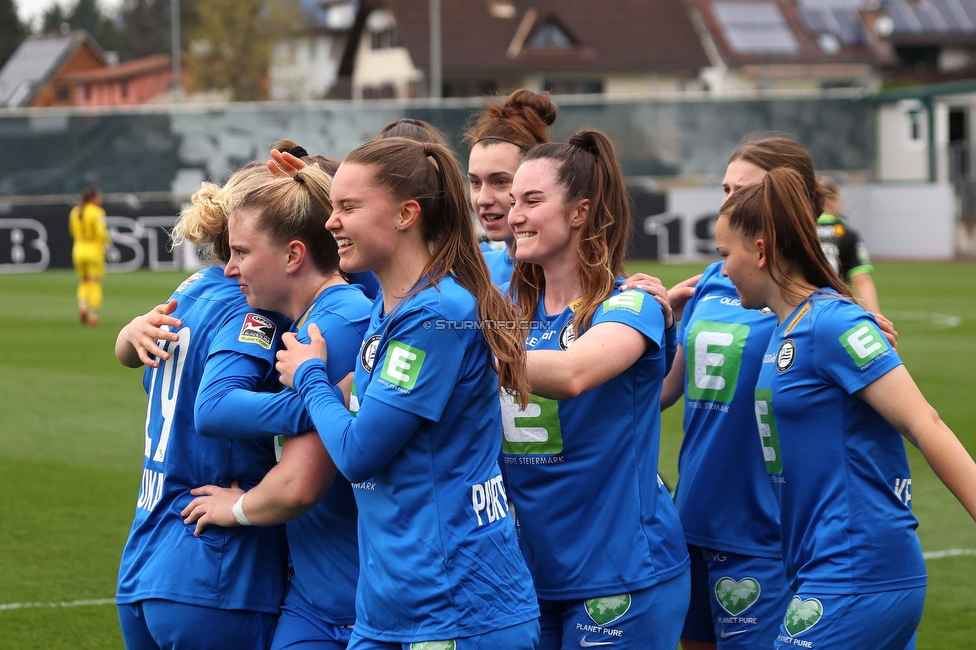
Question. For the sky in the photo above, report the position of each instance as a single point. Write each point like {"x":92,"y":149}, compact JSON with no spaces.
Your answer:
{"x":32,"y":10}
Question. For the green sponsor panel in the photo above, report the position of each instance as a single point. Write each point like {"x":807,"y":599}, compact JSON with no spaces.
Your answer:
{"x":863,"y":342}
{"x":434,"y":645}
{"x":714,"y":357}
{"x":768,"y":433}
{"x":629,"y":300}
{"x":607,"y":609}
{"x":402,"y":364}
{"x":802,"y":615}
{"x":534,"y":431}
{"x":737,"y":597}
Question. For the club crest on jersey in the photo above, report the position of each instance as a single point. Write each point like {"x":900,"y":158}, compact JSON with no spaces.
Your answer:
{"x":567,"y":335}
{"x":367,"y":354}
{"x":258,"y":329}
{"x":786,"y":355}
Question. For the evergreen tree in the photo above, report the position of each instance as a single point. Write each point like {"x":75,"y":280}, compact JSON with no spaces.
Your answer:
{"x":52,"y":19}
{"x":12,"y":31}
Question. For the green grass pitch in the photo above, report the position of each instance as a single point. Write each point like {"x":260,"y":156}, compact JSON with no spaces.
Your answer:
{"x":72,"y":419}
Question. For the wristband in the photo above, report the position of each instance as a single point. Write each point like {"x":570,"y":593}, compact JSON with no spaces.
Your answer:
{"x":238,"y":511}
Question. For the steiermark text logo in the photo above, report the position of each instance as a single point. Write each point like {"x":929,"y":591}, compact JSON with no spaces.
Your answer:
{"x":434,"y":645}
{"x":402,"y":364}
{"x":802,"y":615}
{"x":607,"y":609}
{"x":737,"y":597}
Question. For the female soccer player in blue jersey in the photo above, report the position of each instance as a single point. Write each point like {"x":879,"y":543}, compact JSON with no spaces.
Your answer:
{"x":286,"y":261}
{"x":224,"y":588}
{"x":728,"y":511}
{"x":830,"y":401}
{"x":440,"y":565}
{"x":597,"y":527}
{"x":498,"y":140}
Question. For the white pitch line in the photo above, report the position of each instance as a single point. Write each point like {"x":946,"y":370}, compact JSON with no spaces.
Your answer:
{"x":951,"y":552}
{"x":73,"y":603}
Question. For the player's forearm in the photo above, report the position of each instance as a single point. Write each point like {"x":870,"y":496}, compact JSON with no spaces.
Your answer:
{"x":947,"y":457}
{"x":281,"y":496}
{"x":867,"y":292}
{"x":360,"y":447}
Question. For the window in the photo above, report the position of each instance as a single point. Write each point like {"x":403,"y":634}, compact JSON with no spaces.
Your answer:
{"x":549,"y":35}
{"x":88,"y":92}
{"x":125,"y":89}
{"x":385,"y":39}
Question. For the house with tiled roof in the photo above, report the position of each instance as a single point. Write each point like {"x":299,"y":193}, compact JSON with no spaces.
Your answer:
{"x":36,"y":73}
{"x":566,"y":46}
{"x":133,"y":82}
{"x":791,"y":45}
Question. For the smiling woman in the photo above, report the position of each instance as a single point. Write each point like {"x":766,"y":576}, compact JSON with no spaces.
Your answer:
{"x":440,"y":555}
{"x":499,"y":138}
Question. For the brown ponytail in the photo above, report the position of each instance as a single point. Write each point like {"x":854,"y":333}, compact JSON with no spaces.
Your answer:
{"x":778,"y":211}
{"x":428,"y":174}
{"x":588,"y":169}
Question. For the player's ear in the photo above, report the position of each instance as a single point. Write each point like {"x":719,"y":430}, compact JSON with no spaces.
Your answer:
{"x":295,"y":255}
{"x":763,"y":259}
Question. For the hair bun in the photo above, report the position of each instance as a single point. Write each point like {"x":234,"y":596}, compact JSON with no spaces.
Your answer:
{"x":523,"y":100}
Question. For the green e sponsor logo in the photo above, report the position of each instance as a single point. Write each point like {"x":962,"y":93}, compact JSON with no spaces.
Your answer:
{"x":535,"y":430}
{"x":714,"y":358}
{"x":767,"y":431}
{"x":629,"y":300}
{"x":402,"y":365}
{"x":863,"y":342}
{"x":434,"y":645}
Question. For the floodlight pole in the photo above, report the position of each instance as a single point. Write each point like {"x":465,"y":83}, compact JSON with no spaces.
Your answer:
{"x":174,"y":22}
{"x":435,"y":90}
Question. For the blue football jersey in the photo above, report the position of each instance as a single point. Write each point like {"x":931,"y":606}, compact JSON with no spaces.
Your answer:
{"x":367,"y":283}
{"x":323,"y":542}
{"x":723,"y":494}
{"x":839,"y":468}
{"x":439,"y":555}
{"x":594,"y":518}
{"x":500,"y":266}
{"x":230,"y":568}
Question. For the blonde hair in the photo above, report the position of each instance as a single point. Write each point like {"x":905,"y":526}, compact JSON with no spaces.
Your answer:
{"x":293,"y":208}
{"x":204,"y":223}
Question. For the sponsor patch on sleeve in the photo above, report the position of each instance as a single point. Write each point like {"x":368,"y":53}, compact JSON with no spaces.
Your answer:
{"x":258,"y":329}
{"x":864,"y":343}
{"x":631,"y":300}
{"x":402,"y":365}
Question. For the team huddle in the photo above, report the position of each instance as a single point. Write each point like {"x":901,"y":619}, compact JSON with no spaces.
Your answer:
{"x":367,"y":431}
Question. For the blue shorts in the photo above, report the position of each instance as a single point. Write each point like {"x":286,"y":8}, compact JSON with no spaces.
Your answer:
{"x":737,"y":601}
{"x":167,"y":625}
{"x":881,"y":621}
{"x":299,"y":629}
{"x":524,"y":636}
{"x":649,"y":619}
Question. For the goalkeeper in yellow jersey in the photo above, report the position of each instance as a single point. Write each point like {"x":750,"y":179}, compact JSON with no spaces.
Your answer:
{"x":87,"y":225}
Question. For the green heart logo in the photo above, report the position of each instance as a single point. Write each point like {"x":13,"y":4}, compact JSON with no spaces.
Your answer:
{"x":608,"y":609}
{"x":434,"y":645}
{"x":802,"y":615}
{"x":737,"y":597}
